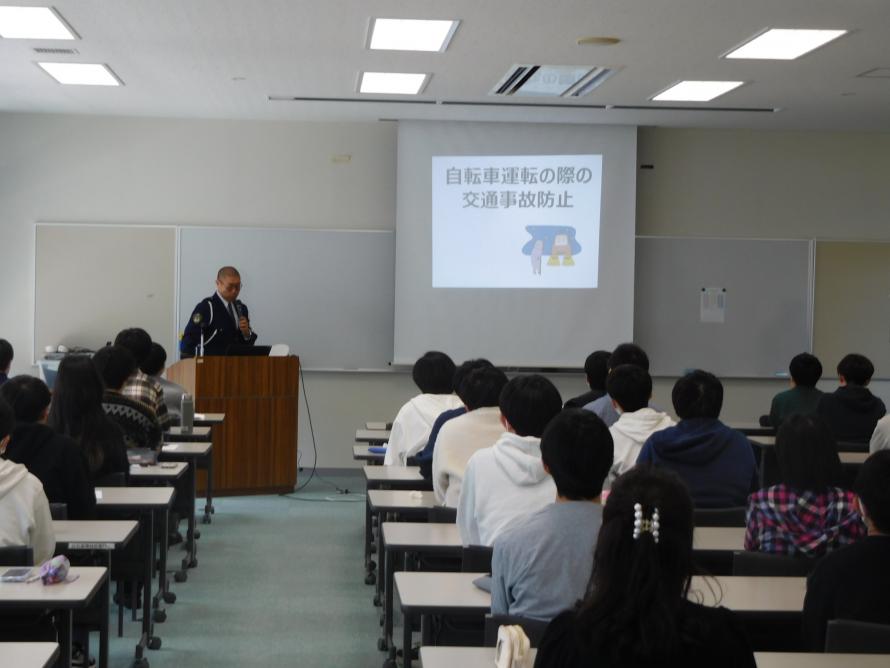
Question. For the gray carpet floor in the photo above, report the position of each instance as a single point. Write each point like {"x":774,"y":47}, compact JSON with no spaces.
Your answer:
{"x":279,"y":582}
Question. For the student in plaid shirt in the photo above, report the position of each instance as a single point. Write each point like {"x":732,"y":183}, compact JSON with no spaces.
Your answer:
{"x":806,"y":514}
{"x":140,"y":386}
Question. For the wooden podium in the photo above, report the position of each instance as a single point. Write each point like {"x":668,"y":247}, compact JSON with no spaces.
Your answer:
{"x":255,"y":448}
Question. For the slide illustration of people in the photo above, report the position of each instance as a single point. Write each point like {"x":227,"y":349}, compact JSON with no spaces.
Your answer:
{"x":555,"y":241}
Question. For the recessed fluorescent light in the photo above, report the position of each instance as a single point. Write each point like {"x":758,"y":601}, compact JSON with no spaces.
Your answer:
{"x":81,"y":74}
{"x":784,"y":44}
{"x":33,"y":23}
{"x":411,"y":34}
{"x":696,"y":91}
{"x":392,"y":83}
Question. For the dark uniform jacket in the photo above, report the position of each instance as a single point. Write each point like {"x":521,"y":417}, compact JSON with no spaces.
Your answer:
{"x":220,"y":331}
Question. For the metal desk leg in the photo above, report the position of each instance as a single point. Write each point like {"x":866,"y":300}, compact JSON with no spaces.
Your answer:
{"x":147,"y":573}
{"x":66,"y":621}
{"x":208,"y":506}
{"x":191,"y":559}
{"x":160,"y":615}
{"x":105,"y":594}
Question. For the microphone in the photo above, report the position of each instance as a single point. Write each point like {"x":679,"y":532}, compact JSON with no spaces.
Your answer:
{"x":239,"y":307}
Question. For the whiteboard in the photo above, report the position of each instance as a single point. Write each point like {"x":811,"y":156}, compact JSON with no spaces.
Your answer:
{"x":328,"y":294}
{"x":91,"y":281}
{"x":768,"y":304}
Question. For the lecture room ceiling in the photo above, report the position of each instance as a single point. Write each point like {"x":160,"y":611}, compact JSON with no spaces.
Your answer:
{"x":230,"y":58}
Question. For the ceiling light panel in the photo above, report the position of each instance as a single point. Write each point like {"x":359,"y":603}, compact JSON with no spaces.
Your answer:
{"x":696,"y":91}
{"x":81,"y":74}
{"x":411,"y":34}
{"x":33,"y":23}
{"x":784,"y":44}
{"x":392,"y":83}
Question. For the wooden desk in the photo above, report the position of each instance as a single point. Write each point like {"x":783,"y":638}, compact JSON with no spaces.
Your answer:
{"x":752,"y":594}
{"x":752,"y":428}
{"x":28,"y":654}
{"x":64,"y":597}
{"x":200,"y":456}
{"x":372,"y":436}
{"x":361,"y":453}
{"x":209,"y":419}
{"x":378,"y":426}
{"x":149,"y":503}
{"x":853,"y":456}
{"x":106,"y":535}
{"x":158,"y":473}
{"x":198,"y":433}
{"x":395,"y":477}
{"x":721,"y":539}
{"x":483,"y":657}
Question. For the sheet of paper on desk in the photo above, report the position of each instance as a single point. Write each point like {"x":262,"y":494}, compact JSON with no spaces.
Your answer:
{"x":199,"y":416}
{"x":98,"y":495}
{"x":173,"y":447}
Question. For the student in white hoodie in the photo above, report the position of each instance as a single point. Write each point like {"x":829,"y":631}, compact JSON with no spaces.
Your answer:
{"x":24,"y":511}
{"x":433,"y":374}
{"x":462,"y":436}
{"x":507,"y":481}
{"x":630,"y":388}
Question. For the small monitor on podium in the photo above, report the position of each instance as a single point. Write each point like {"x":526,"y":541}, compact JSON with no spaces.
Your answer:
{"x":248,"y":351}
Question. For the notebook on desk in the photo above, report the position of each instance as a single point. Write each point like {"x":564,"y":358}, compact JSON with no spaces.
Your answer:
{"x":142,"y":456}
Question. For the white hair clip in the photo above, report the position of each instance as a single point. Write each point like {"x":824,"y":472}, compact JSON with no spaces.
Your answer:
{"x":642,"y":525}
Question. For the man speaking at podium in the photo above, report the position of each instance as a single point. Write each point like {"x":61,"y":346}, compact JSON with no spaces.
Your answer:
{"x":219,"y":321}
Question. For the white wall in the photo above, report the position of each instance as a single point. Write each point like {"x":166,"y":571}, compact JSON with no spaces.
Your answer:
{"x":99,"y":169}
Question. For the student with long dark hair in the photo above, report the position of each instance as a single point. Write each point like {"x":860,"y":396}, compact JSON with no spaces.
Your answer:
{"x":636,"y":612}
{"x":806,"y":514}
{"x":76,"y":411}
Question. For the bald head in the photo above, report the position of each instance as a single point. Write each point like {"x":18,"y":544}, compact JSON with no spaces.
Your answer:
{"x":228,"y":283}
{"x":227,"y":272}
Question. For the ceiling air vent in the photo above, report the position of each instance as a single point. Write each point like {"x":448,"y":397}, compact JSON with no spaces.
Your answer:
{"x":55,"y":52}
{"x":551,"y":80}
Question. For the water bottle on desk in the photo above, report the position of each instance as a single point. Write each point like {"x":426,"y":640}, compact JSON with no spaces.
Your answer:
{"x":187,"y":413}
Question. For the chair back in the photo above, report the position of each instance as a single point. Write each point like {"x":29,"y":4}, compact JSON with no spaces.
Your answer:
{"x":534,"y":628}
{"x":851,"y":637}
{"x":16,"y":555}
{"x":771,"y":565}
{"x":279,"y":350}
{"x":58,"y":511}
{"x":720,"y":517}
{"x":442,"y":515}
{"x":476,"y":559}
{"x":852,"y":446}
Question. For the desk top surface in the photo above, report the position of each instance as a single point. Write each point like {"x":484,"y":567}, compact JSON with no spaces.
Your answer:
{"x":28,"y":654}
{"x":371,"y":435}
{"x":209,"y":419}
{"x":134,"y":497}
{"x":361,"y":452}
{"x":400,"y":499}
{"x":436,"y":591}
{"x":483,"y":657}
{"x":62,"y":595}
{"x":392,"y":473}
{"x":117,"y":532}
{"x":169,"y":471}
{"x":196,"y":432}
{"x":193,"y":449}
{"x":752,"y":428}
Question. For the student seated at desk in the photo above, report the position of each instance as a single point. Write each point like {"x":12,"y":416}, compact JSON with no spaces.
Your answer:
{"x":852,"y":411}
{"x":507,"y":481}
{"x":461,"y":437}
{"x":626,"y":353}
{"x":636,"y":611}
{"x":55,"y":459}
{"x":631,"y":389}
{"x":137,"y":420}
{"x":807,"y":514}
{"x":596,"y":368}
{"x":424,"y":458}
{"x":716,"y":462}
{"x":803,"y":397}
{"x":6,"y":355}
{"x":433,"y":374}
{"x":854,"y":582}
{"x":153,"y":366}
{"x":76,"y":411}
{"x":24,"y":509}
{"x":541,"y":565}
{"x":880,"y":439}
{"x":140,"y":386}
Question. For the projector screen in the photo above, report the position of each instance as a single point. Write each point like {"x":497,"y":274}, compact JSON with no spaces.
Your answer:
{"x":514,"y":241}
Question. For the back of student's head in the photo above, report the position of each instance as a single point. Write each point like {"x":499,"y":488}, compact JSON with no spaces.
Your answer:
{"x":577,"y":449}
{"x":28,"y":396}
{"x":698,"y":394}
{"x":807,"y":454}
{"x":482,"y":388}
{"x":805,"y":369}
{"x":873,"y":489}
{"x":115,"y":364}
{"x":630,"y":386}
{"x":7,"y":419}
{"x":596,"y":368}
{"x":433,"y":373}
{"x":856,"y":369}
{"x":528,"y":403}
{"x":463,"y":369}
{"x":154,"y":364}
{"x":137,"y":341}
{"x":6,"y":354}
{"x":640,"y":580}
{"x":629,"y":353}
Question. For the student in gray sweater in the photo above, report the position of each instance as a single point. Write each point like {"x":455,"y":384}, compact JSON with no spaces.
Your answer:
{"x":541,"y":565}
